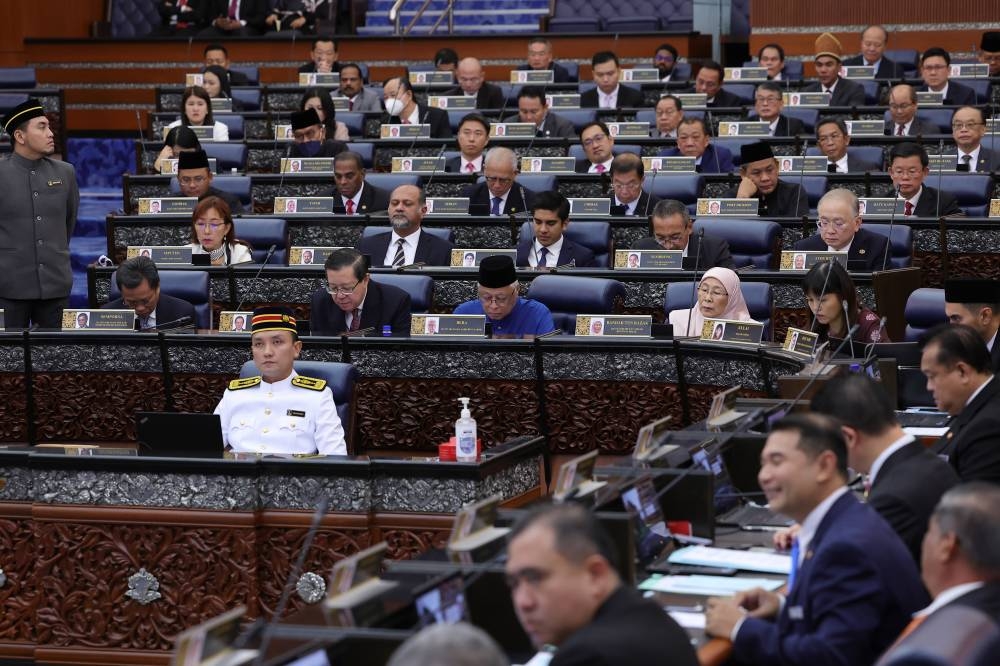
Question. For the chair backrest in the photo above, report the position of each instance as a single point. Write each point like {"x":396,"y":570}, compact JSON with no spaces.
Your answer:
{"x":366,"y":150}
{"x":340,"y":377}
{"x":190,"y":286}
{"x":873,"y":154}
{"x":980,"y":86}
{"x":973,"y":190}
{"x":576,"y":150}
{"x":249,"y":98}
{"x":537,"y":182}
{"x":249,"y":71}
{"x":684,"y":187}
{"x":758,"y":295}
{"x":574,"y":24}
{"x":900,"y":243}
{"x":236,"y":185}
{"x":9,"y":100}
{"x":354,"y":121}
{"x":228,"y":155}
{"x":751,"y":242}
{"x":643,"y":23}
{"x":579,"y":117}
{"x":444,"y":233}
{"x":567,"y":295}
{"x":734,"y":144}
{"x":261,"y":233}
{"x":815,"y":186}
{"x":744,"y":91}
{"x":234,"y":122}
{"x":954,"y":635}
{"x":924,"y":310}
{"x":872,"y":88}
{"x":419,"y":287}
{"x":682,"y":71}
{"x":595,"y":236}
{"x":17,"y":77}
{"x":939,"y":117}
{"x":387,"y":182}
{"x":809,"y":117}
{"x":908,"y":58}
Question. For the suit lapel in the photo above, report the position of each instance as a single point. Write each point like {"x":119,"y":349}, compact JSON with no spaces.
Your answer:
{"x":373,"y":305}
{"x":843,"y":503}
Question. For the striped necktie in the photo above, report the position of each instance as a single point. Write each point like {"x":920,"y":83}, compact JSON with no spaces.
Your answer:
{"x":400,"y":257}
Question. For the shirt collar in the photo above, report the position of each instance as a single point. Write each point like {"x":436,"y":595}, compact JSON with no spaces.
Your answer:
{"x":847,"y":248}
{"x":978,"y":391}
{"x":813,"y":520}
{"x":412,"y":239}
{"x":947,"y":596}
{"x":889,"y":450}
{"x":842,"y":163}
{"x":278,"y":386}
{"x":554,"y":249}
{"x":993,"y":341}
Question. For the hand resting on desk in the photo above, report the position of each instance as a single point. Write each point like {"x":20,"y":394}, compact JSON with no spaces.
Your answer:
{"x":722,"y":615}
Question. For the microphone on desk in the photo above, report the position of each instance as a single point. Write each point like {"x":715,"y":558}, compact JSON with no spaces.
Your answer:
{"x":407,"y":267}
{"x":892,"y":221}
{"x":270,"y":253}
{"x":847,"y":321}
{"x":870,"y":347}
{"x":649,"y":195}
{"x":181,"y":322}
{"x":850,"y":333}
{"x":694,"y":283}
{"x":822,"y":292}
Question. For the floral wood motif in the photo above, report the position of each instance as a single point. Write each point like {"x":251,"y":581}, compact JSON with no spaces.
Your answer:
{"x":198,"y":393}
{"x":959,"y":265}
{"x":700,"y":398}
{"x":409,"y":543}
{"x":66,"y":404}
{"x":418,"y":414}
{"x":13,"y":406}
{"x":19,"y":596}
{"x":586,"y":415}
{"x":280,"y":548}
{"x":202,"y":572}
{"x":788,"y":317}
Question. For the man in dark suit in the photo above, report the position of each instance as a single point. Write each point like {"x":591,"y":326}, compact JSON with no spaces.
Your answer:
{"x":694,"y":140}
{"x":833,"y":140}
{"x":532,"y":107}
{"x":567,"y":593}
{"x":853,"y":585}
{"x":322,"y":57}
{"x":402,"y":108}
{"x":352,"y":301}
{"x":908,"y":167}
{"x":548,"y":246}
{"x":844,"y":92}
{"x":473,"y":135}
{"x":609,"y":93}
{"x":245,"y":20}
{"x":540,"y":58}
{"x":840,"y":230}
{"x":472,"y":83}
{"x":672,"y":230}
{"x":975,"y":302}
{"x":935,"y":63}
{"x":351,"y":194}
{"x":709,"y":82}
{"x":180,"y":20}
{"x":903,"y":112}
{"x":873,"y":41}
{"x":407,"y":243}
{"x":139,"y":284}
{"x":768,"y":104}
{"x":968,"y":127}
{"x":309,"y":134}
{"x":598,"y":146}
{"x":627,"y":195}
{"x":759,"y":179}
{"x":217,"y":54}
{"x":499,"y":193}
{"x":959,"y":375}
{"x":905,"y":480}
{"x":960,"y":566}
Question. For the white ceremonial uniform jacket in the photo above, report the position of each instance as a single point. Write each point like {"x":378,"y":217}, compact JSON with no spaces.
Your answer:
{"x":295,"y":415}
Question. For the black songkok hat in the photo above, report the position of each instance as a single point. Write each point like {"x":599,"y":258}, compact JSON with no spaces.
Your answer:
{"x":192,"y":159}
{"x":754,"y":152}
{"x":304,"y":119}
{"x":990,"y":42}
{"x":497,"y":271}
{"x":23,"y":112}
{"x":971,"y":290}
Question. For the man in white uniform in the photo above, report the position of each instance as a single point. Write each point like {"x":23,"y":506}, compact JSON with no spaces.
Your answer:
{"x":279,"y":411}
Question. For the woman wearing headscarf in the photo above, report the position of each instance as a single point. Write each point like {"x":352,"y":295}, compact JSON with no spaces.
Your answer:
{"x":719,"y":297}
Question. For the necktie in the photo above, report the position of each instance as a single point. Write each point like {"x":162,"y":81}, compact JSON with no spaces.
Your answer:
{"x":400,"y":257}
{"x":543,"y":256}
{"x":355,"y":319}
{"x":794,"y":571}
{"x":828,"y":91}
{"x":349,"y":206}
{"x":901,"y":130}
{"x":232,"y":8}
{"x":600,"y":168}
{"x":907,"y":209}
{"x":967,"y":161}
{"x":470,"y":167}
{"x":350,"y":104}
{"x":144,"y":323}
{"x":908,"y":629}
{"x":495,"y":208}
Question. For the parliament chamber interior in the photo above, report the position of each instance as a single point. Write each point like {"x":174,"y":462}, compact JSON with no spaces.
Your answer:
{"x":447,"y":332}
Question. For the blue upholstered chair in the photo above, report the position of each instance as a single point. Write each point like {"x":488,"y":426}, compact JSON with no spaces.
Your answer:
{"x":908,"y":58}
{"x":444,"y":233}
{"x":745,"y":91}
{"x":249,"y":71}
{"x":924,"y":310}
{"x":567,"y":296}
{"x":390,"y":181}
{"x":815,"y":186}
{"x":758,"y":295}
{"x":228,"y":155}
{"x":17,"y":77}
{"x":9,"y":100}
{"x":954,"y":635}
{"x":340,"y":377}
{"x":249,"y":98}
{"x":234,"y":122}
{"x":900,"y":243}
{"x":595,"y":236}
{"x":238,"y":186}
{"x":366,"y":150}
{"x":579,"y":117}
{"x":355,"y":122}
{"x":872,"y":89}
{"x":751,"y":242}
{"x":419,"y":287}
{"x":973,"y":190}
{"x":684,"y":187}
{"x":261,"y":233}
{"x":190,"y":286}
{"x":536,"y":182}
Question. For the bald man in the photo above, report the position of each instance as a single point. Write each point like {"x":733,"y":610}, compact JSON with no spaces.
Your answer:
{"x":903,"y":114}
{"x":472,"y":83}
{"x":839,"y":230}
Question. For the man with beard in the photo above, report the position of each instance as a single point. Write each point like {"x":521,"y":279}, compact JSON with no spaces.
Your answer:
{"x":407,"y":243}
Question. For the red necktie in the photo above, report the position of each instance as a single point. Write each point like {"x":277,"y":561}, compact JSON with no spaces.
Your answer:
{"x":180,"y":5}
{"x":907,"y":209}
{"x":232,"y":8}
{"x":470,"y":167}
{"x":350,"y":105}
{"x":901,"y":130}
{"x":355,"y":319}
{"x":600,"y":168}
{"x":349,"y":205}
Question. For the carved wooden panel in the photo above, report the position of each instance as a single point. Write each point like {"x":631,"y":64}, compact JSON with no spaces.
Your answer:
{"x":700,"y":398}
{"x":198,"y":393}
{"x":419,"y":414}
{"x":409,"y":536}
{"x":13,"y":407}
{"x":84,"y":570}
{"x":587,"y":415}
{"x":788,"y":317}
{"x":959,"y":265}
{"x":66,"y":404}
{"x":19,"y":597}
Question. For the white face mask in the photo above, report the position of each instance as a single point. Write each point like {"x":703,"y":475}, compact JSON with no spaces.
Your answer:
{"x":394,"y":106}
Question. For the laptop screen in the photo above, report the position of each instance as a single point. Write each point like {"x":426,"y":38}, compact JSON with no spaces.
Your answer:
{"x":707,"y":455}
{"x":651,"y":532}
{"x":442,"y":604}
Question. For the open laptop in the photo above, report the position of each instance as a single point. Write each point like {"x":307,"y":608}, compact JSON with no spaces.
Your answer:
{"x":443,"y":602}
{"x":179,"y":434}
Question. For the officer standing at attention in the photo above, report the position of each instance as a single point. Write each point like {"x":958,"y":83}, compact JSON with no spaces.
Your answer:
{"x":279,"y":411}
{"x":37,"y":215}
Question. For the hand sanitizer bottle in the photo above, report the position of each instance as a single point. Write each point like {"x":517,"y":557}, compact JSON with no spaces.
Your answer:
{"x":465,"y":434}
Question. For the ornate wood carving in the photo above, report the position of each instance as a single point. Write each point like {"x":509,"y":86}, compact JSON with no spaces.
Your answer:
{"x":66,"y":401}
{"x":405,"y":414}
{"x":13,"y":407}
{"x":19,"y":596}
{"x":959,"y":265}
{"x":198,"y":393}
{"x":410,"y":535}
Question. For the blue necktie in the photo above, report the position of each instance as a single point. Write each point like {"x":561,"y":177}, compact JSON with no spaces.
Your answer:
{"x":794,"y":571}
{"x":495,"y":210}
{"x":543,"y":256}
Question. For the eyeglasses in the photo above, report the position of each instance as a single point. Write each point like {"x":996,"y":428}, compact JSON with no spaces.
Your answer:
{"x":341,"y":291}
{"x":192,"y":180}
{"x":839,"y":225}
{"x":673,"y":239}
{"x":823,"y":138}
{"x":597,"y":139}
{"x":144,"y":303}
{"x":933,"y":68}
{"x":497,"y":180}
{"x":626,"y":187}
{"x":769,"y":99}
{"x":214,"y":226}
{"x":969,"y":125}
{"x":899,"y":173}
{"x":714,"y":293}
{"x":500,"y":301}
{"x":663,"y":58}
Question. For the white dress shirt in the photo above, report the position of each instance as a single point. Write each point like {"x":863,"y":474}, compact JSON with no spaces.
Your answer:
{"x":551,"y":258}
{"x":607,"y":167}
{"x":975,"y":157}
{"x":477,"y":164}
{"x":608,"y":100}
{"x":947,"y":596}
{"x":409,"y":247}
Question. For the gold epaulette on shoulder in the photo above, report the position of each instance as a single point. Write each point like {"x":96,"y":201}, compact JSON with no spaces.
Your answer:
{"x":309,"y":383}
{"x":246,"y":382}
